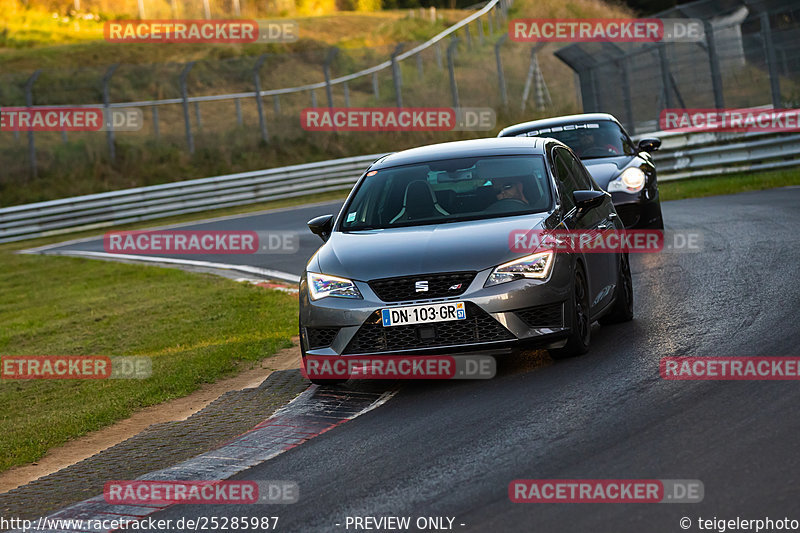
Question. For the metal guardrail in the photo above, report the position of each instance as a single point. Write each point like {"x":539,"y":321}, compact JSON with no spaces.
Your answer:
{"x":146,"y":203}
{"x":683,"y":155}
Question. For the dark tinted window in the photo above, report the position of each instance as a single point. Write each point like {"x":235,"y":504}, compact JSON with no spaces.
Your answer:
{"x":576,"y":168}
{"x":449,"y":191}
{"x":589,"y":140}
{"x":567,"y":177}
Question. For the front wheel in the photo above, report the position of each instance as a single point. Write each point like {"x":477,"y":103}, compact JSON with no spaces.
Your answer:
{"x":580,"y":328}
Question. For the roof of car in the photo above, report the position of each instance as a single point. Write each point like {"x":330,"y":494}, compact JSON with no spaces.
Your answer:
{"x":472,"y":148}
{"x":555,"y":121}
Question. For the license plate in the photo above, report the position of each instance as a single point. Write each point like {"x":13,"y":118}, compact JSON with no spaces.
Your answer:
{"x":423,"y":314}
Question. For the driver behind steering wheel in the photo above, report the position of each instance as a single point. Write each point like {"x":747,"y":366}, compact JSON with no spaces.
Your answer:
{"x":509,"y":189}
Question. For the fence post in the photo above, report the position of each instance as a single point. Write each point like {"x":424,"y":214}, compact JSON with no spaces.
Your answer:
{"x":197,"y":116}
{"x":276,"y":104}
{"x":262,"y":121}
{"x":238,"y":111}
{"x":439,"y":55}
{"x":141,"y":9}
{"x":112,"y":152}
{"x":451,"y":68}
{"x":313,"y":98}
{"x":622,"y":65}
{"x":481,"y":36}
{"x":713,"y":59}
{"x":155,"y":122}
{"x":184,"y":95}
{"x":469,"y":36}
{"x":346,"y":89}
{"x":772,"y":63}
{"x":664,"y":62}
{"x":375,"y":87}
{"x":501,"y":79}
{"x":326,"y":68}
{"x":29,"y":103}
{"x":419,"y":65}
{"x":491,"y":24}
{"x":206,"y":9}
{"x":398,"y":82}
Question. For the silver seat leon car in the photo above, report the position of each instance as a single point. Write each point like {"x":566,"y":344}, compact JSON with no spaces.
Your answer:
{"x":420,"y":259}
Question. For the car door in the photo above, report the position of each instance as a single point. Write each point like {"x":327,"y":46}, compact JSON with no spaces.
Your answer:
{"x":602,"y":267}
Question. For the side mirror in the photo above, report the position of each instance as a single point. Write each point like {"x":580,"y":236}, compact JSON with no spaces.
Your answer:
{"x":587,"y":200}
{"x":649,"y":144}
{"x":321,"y":226}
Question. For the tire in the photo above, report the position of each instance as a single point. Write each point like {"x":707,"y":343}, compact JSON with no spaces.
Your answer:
{"x":622,"y":308}
{"x":315,"y":381}
{"x":580,"y":334}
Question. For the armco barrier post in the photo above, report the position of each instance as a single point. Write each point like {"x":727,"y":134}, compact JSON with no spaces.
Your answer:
{"x":185,"y":96}
{"x":451,"y":50}
{"x":375,"y":87}
{"x":29,"y":103}
{"x":262,"y":121}
{"x":346,"y":89}
{"x":398,"y":82}
{"x":501,"y":79}
{"x":112,"y":152}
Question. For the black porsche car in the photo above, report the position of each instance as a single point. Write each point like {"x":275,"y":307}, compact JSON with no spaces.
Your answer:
{"x":619,"y":166}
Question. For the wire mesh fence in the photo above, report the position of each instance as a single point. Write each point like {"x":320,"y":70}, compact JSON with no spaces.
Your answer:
{"x":749,"y":56}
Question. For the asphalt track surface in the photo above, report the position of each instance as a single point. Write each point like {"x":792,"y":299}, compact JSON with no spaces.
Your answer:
{"x":452,"y":448}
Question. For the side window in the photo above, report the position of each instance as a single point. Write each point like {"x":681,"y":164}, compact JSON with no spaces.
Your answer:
{"x":566,"y":178}
{"x":583,"y":180}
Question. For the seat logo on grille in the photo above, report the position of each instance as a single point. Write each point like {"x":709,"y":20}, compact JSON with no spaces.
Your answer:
{"x":421,"y":286}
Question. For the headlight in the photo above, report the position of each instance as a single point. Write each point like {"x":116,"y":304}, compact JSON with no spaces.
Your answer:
{"x":631,"y":180}
{"x":536,"y":266}
{"x":322,"y":286}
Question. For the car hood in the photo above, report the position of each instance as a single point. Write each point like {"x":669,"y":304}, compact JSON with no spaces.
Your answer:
{"x":472,"y":245}
{"x":605,"y":169}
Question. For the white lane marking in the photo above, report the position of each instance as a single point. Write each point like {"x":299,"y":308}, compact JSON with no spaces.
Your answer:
{"x":265,"y":272}
{"x":182,"y":225}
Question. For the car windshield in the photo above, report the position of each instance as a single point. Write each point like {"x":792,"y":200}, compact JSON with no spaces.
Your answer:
{"x":451,"y":190}
{"x":589,"y":140}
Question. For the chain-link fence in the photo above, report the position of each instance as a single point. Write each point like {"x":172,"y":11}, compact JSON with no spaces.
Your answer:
{"x":247,"y":103}
{"x":748,"y":56}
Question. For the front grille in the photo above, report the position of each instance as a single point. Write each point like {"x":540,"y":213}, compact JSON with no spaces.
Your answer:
{"x":320,"y":337}
{"x":629,"y":213}
{"x":373,"y":337}
{"x":405,"y":288}
{"x":542,"y":316}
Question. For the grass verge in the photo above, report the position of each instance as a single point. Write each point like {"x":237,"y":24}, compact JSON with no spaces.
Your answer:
{"x":197,"y":328}
{"x":732,"y":184}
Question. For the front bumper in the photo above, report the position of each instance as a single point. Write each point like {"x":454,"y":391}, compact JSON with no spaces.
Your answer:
{"x":529,"y":311}
{"x":638,"y":211}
